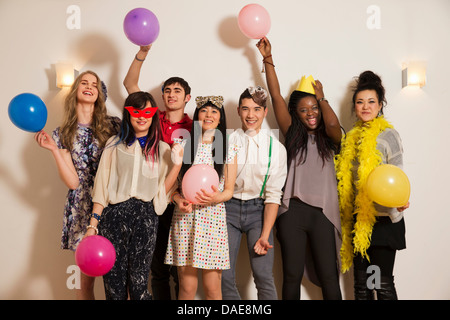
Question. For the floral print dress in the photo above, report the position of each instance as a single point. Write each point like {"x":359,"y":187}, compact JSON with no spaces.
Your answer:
{"x":78,"y":205}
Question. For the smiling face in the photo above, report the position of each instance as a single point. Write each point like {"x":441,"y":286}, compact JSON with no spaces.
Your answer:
{"x":252,"y":115}
{"x":142,"y":123}
{"x":309,"y":113}
{"x":87,"y":91}
{"x":209,"y":118}
{"x":367,"y":105}
{"x":175,"y":97}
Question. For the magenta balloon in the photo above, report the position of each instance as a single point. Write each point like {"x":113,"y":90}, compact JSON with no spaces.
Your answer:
{"x":200,"y":176}
{"x":141,"y":26}
{"x":95,"y":255}
{"x":254,"y":21}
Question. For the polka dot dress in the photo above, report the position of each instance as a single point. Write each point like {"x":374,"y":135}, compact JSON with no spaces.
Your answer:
{"x":200,"y":239}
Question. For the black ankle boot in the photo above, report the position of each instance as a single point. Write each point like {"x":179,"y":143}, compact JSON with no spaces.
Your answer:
{"x":387,"y":289}
{"x":360,"y":286}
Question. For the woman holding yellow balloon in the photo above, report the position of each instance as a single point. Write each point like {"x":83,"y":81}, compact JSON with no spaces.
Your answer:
{"x":372,"y":229}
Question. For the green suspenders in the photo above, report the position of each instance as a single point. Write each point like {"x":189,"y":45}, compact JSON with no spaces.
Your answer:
{"x":268,"y":166}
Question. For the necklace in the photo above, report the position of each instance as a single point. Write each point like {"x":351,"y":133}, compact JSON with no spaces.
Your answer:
{"x":358,"y":214}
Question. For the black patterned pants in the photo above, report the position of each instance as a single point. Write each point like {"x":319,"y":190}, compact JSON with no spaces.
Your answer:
{"x":131,"y":226}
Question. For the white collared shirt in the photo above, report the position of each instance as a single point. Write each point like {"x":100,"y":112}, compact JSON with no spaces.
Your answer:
{"x":124,"y":173}
{"x":253,"y":161}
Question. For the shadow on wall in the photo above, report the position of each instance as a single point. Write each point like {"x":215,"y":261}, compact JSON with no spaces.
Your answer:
{"x":44,"y":191}
{"x":96,"y":49}
{"x":346,"y":114}
{"x":230,"y":34}
{"x":45,"y":276}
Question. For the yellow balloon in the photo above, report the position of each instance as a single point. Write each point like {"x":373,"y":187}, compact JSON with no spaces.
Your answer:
{"x":389,"y":186}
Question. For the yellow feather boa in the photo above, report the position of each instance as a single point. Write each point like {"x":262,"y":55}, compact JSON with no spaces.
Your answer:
{"x":359,"y":145}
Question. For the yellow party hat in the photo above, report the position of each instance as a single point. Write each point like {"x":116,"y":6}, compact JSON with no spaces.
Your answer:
{"x":305,"y":85}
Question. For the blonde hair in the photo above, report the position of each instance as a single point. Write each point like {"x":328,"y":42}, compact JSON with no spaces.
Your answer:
{"x":101,"y":128}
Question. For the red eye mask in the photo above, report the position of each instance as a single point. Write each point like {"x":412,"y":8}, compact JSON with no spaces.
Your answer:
{"x":146,"y":113}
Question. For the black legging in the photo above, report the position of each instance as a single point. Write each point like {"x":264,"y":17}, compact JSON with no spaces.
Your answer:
{"x":382,"y":257}
{"x":300,"y":225}
{"x":131,"y":227}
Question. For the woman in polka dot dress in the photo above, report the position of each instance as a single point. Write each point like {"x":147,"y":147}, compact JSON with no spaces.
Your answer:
{"x":198,"y":236}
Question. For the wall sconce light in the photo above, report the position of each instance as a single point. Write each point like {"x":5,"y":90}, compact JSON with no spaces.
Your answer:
{"x":65,"y":74}
{"x":414,"y":74}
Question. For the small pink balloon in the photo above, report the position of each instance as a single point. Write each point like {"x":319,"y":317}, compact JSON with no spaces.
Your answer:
{"x":254,"y":21}
{"x":95,"y":255}
{"x":197,"y":177}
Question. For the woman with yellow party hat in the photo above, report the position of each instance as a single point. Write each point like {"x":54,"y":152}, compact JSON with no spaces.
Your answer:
{"x":308,"y":223}
{"x":371,"y":233}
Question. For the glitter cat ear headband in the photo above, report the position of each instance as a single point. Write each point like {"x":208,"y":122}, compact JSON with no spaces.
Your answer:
{"x":215,"y":100}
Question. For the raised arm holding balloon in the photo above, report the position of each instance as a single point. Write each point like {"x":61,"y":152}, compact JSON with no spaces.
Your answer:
{"x":175,"y":123}
{"x":131,"y":81}
{"x":312,"y":137}
{"x":369,"y":229}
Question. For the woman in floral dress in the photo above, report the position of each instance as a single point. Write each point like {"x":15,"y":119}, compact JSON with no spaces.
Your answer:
{"x":198,"y":236}
{"x":76,"y":147}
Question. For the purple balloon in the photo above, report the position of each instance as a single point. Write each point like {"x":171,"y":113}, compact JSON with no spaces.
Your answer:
{"x":141,"y":26}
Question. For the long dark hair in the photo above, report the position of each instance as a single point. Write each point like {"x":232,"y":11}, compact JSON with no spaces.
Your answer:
{"x":296,"y":140}
{"x":219,"y":144}
{"x":127,"y":135}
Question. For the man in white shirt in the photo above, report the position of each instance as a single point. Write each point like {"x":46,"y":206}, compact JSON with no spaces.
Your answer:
{"x":262,"y":168}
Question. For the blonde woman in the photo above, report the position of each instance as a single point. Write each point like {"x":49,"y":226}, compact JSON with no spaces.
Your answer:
{"x":76,"y":147}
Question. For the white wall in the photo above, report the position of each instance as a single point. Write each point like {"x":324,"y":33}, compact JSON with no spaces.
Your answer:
{"x":200,"y":41}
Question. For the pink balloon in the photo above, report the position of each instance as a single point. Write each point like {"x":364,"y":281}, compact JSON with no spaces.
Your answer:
{"x":254,"y":21}
{"x":141,"y":26}
{"x":95,"y":255}
{"x":197,"y":177}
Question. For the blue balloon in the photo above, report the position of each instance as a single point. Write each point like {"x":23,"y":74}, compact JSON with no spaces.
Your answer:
{"x":28,"y":112}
